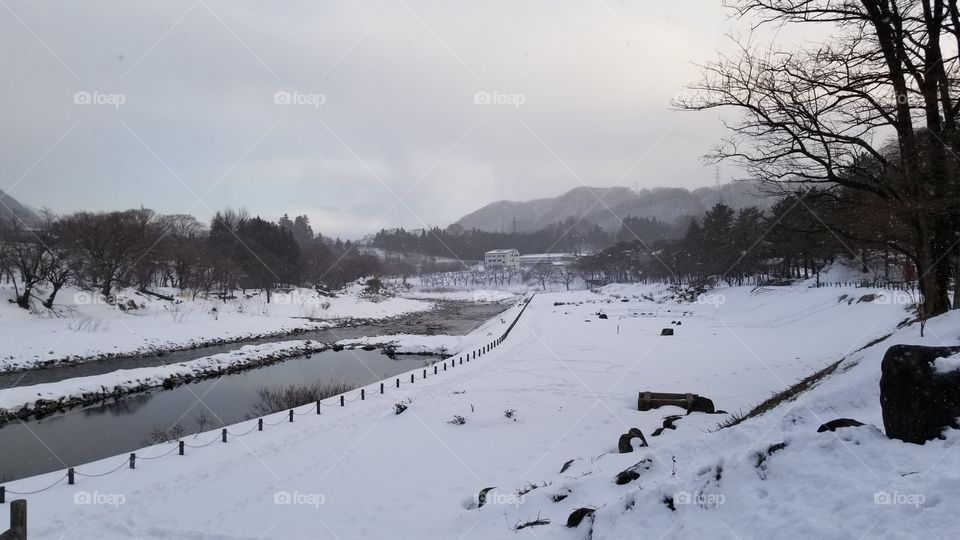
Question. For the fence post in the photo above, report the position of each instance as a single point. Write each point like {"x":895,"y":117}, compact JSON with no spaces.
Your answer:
{"x":381,"y":388}
{"x":291,"y":415}
{"x":363,"y":394}
{"x":259,"y":424}
{"x":223,"y":435}
{"x":411,"y":378}
{"x":133,"y":461}
{"x":444,"y":366}
{"x":3,"y":494}
{"x":18,"y":520}
{"x":70,"y":476}
{"x":398,"y":382}
{"x":461,"y":361}
{"x":181,"y":448}
{"x":424,"y":374}
{"x":434,"y":369}
{"x":341,"y":401}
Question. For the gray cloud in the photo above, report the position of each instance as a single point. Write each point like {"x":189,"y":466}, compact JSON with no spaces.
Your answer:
{"x":398,"y":80}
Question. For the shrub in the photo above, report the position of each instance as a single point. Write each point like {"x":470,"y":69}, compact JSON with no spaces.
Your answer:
{"x":272,"y":400}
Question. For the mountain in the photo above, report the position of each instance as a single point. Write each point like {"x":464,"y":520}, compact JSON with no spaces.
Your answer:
{"x":12,"y":208}
{"x":608,"y":206}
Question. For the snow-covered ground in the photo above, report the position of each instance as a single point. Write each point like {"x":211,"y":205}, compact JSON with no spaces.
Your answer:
{"x":84,"y":326}
{"x":556,"y":395}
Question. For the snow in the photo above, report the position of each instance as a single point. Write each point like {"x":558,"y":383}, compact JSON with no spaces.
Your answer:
{"x":410,"y":343}
{"x":467,"y":295}
{"x":947,"y":364}
{"x":127,"y":380}
{"x":571,"y":380}
{"x":82,"y":323}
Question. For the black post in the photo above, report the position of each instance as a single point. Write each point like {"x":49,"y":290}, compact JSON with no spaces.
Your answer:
{"x":398,"y":382}
{"x":318,"y":406}
{"x":3,"y":494}
{"x":363,"y":394}
{"x":223,"y":435}
{"x":411,"y":378}
{"x":461,"y":361}
{"x":291,"y":415}
{"x":424,"y":374}
{"x":181,"y":448}
{"x":381,"y":388}
{"x":18,"y":519}
{"x":444,"y":366}
{"x":260,"y":424}
{"x":341,"y":401}
{"x":133,"y":461}
{"x":434,"y":369}
{"x":70,"y":476}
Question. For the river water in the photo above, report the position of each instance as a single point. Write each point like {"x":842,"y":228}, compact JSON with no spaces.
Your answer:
{"x":118,"y":426}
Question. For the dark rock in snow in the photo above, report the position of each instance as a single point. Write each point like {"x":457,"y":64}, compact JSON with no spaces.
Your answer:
{"x":917,"y":402}
{"x":633,"y":472}
{"x":834,"y":425}
{"x":482,"y":496}
{"x":626,"y":440}
{"x":666,"y":332}
{"x":577,"y":516}
{"x":602,"y":316}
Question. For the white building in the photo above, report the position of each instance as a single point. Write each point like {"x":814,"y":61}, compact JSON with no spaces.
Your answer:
{"x":509,"y":258}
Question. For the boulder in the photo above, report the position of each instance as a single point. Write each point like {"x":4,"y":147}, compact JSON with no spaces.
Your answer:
{"x":834,"y":425}
{"x":666,"y":332}
{"x":576,"y":517}
{"x":633,"y":472}
{"x":917,"y":401}
{"x":626,"y":440}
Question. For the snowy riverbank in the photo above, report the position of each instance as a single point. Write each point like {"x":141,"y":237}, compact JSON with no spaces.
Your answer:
{"x":85,"y":328}
{"x":24,"y":401}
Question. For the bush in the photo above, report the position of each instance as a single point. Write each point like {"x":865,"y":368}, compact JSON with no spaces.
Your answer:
{"x":272,"y":400}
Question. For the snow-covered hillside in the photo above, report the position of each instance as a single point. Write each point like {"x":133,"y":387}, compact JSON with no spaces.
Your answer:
{"x":538,"y":420}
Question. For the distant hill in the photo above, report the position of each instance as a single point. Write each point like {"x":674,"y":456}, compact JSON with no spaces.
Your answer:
{"x":615,"y":203}
{"x":10,"y":207}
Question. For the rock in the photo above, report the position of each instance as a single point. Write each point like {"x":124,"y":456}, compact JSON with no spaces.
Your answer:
{"x":482,"y":496}
{"x":834,"y":425}
{"x":633,"y":472}
{"x":602,"y":316}
{"x":577,"y":516}
{"x":666,"y":332}
{"x":626,"y":440}
{"x":917,"y":402}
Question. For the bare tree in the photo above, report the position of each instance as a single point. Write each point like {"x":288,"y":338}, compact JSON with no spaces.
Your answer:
{"x":813,"y":116}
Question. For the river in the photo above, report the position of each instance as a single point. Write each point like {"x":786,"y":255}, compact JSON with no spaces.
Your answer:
{"x":118,"y":426}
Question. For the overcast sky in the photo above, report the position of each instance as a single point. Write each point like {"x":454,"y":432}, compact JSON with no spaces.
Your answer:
{"x":174,"y":105}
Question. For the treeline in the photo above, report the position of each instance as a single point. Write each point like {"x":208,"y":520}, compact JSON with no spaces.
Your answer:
{"x":800,"y":235}
{"x":143,"y":249}
{"x":568,"y":236}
